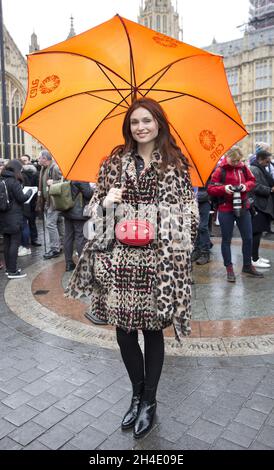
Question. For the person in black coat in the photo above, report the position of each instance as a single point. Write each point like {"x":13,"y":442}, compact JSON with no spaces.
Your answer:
{"x":11,"y":221}
{"x":74,"y":222}
{"x":263,"y":201}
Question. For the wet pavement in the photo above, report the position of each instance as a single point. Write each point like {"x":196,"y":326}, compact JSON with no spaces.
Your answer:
{"x":63,"y":384}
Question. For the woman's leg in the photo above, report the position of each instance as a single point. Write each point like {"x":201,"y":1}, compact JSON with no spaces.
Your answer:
{"x":226,"y":220}
{"x":131,"y":354}
{"x":255,"y":245}
{"x":244,"y":224}
{"x":133,"y":359}
{"x":154,"y":359}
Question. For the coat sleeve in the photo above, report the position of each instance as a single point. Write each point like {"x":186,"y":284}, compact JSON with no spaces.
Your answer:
{"x":215,"y":187}
{"x":18,"y":194}
{"x":260,"y":188}
{"x":190,"y":206}
{"x":250,"y":180}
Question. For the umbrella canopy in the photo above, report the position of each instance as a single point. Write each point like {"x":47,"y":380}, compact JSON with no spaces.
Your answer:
{"x":80,"y":89}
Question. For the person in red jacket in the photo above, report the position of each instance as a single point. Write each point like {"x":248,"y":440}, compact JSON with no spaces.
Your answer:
{"x":230,"y":183}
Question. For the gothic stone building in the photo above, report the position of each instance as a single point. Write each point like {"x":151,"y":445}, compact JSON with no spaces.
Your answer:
{"x":249,"y":63}
{"x":161,"y":16}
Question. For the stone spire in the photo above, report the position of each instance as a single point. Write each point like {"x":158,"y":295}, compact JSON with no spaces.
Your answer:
{"x":161,"y":16}
{"x":72,"y":32}
{"x":34,"y":46}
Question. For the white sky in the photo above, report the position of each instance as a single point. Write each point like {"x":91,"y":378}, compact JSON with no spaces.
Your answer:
{"x":50,"y":19}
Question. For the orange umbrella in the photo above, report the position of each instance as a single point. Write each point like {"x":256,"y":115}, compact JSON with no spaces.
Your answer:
{"x":80,"y":89}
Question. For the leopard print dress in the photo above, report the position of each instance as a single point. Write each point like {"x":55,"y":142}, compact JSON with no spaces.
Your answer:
{"x":140,"y":287}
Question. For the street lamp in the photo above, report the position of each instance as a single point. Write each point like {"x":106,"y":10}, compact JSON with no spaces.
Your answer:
{"x":3,"y":87}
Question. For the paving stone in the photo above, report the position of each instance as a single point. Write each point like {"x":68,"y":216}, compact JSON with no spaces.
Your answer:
{"x":223,"y":444}
{"x":43,"y":401}
{"x":266,"y":390}
{"x":17,"y":399}
{"x":48,"y":365}
{"x":36,"y":445}
{"x":12,"y":385}
{"x":56,"y":437}
{"x":27,"y":433}
{"x":4,"y":409}
{"x":205,"y":430}
{"x":69,"y":404}
{"x":259,"y":446}
{"x":8,"y":373}
{"x":107,"y":423}
{"x":31,"y":375}
{"x":260,"y":403}
{"x":187,"y":415}
{"x":80,"y":378}
{"x":5,"y":428}
{"x":8,"y":444}
{"x":49,"y":417}
{"x":61,"y":389}
{"x":188,"y":442}
{"x":21,"y":415}
{"x":37,"y":387}
{"x":89,"y":438}
{"x":87,"y":391}
{"x":169,"y":429}
{"x":96,"y":407}
{"x":113,"y":394}
{"x":219,"y":415}
{"x":251,"y":418}
{"x":119,"y":441}
{"x":230,"y":400}
{"x":239,"y":434}
{"x":266,"y":436}
{"x":242,"y":388}
{"x":152,"y":442}
{"x":77,"y":421}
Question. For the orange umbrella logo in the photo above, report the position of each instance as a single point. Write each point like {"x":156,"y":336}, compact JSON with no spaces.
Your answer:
{"x":80,"y":89}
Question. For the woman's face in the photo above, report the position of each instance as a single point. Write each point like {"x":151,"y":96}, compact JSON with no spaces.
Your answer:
{"x":234,"y":159}
{"x":144,"y":127}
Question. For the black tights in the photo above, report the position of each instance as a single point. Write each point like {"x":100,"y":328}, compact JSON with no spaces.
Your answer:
{"x":141,"y":368}
{"x":256,"y":245}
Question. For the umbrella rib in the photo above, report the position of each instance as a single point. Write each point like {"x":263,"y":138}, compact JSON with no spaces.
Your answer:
{"x":67,"y":98}
{"x":85,"y":57}
{"x":167,"y":67}
{"x":199,"y":99}
{"x":196,"y":168}
{"x":104,"y":99}
{"x":132,"y":67}
{"x":106,"y":117}
{"x":99,"y":65}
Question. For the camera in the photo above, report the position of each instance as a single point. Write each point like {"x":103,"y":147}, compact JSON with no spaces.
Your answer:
{"x":237,"y":200}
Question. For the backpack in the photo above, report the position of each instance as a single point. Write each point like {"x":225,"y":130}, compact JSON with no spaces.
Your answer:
{"x":61,"y":195}
{"x":5,"y":202}
{"x":217,"y":200}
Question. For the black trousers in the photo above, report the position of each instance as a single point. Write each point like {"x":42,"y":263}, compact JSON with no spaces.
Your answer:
{"x":145,"y":368}
{"x":11,"y":245}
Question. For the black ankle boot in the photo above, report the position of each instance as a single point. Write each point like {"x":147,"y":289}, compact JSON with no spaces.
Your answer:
{"x":132,"y":413}
{"x":145,"y":417}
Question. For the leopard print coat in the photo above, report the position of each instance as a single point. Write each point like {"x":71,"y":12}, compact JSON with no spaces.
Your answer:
{"x":141,"y":287}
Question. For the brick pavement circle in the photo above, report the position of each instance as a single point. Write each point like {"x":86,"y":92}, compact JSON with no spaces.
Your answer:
{"x":54,"y":314}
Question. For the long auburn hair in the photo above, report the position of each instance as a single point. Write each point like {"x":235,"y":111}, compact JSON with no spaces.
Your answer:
{"x":165,"y":142}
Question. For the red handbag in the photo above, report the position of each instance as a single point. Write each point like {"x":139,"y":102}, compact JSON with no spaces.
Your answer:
{"x":135,"y":232}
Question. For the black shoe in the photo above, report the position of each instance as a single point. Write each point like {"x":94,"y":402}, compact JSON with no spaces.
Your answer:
{"x":36,"y":243}
{"x":51,"y":254}
{"x":144,"y":421}
{"x":92,"y":317}
{"x":195,"y":254}
{"x":70,"y":266}
{"x":251,"y":271}
{"x":204,"y":258}
{"x":132,"y":413}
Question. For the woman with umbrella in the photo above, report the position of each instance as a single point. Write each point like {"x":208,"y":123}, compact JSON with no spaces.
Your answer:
{"x":137,"y":270}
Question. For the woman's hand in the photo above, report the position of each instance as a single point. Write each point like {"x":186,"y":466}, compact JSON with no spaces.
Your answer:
{"x":114,"y":196}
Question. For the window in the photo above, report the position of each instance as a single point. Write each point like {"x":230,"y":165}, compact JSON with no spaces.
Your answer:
{"x":164,"y":24}
{"x":233,"y":80}
{"x":158,"y":23}
{"x":263,"y":136}
{"x":263,"y":110}
{"x":263,"y":74}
